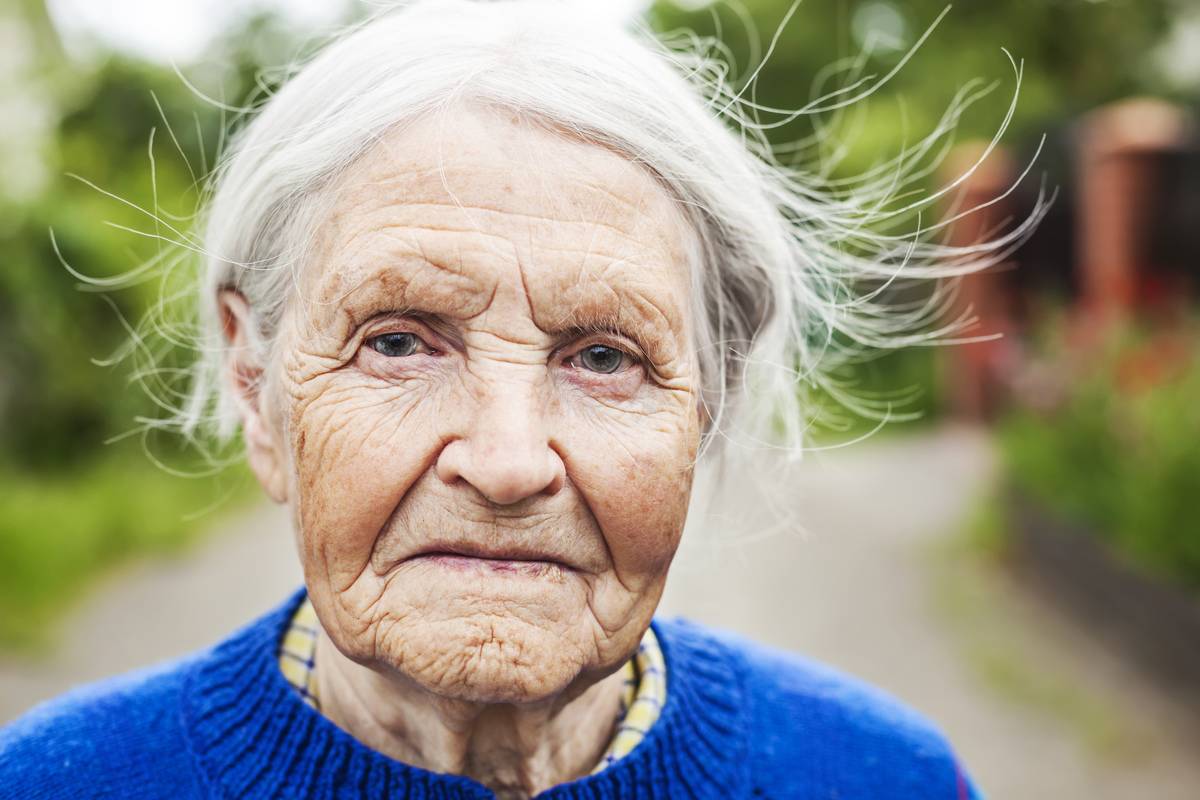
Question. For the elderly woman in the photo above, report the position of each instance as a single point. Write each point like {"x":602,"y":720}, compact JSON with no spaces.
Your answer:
{"x":484,"y":282}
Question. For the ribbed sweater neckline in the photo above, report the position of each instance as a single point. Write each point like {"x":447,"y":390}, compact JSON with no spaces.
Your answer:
{"x":253,"y":737}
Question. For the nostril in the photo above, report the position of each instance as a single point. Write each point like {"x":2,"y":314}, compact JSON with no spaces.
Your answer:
{"x":503,"y":475}
{"x":555,"y":484}
{"x":449,"y":466}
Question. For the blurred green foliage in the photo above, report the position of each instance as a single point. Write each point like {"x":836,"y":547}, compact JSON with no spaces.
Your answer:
{"x":126,"y":160}
{"x":51,"y":331}
{"x":1077,"y":53}
{"x":1116,"y":449}
{"x":888,"y":391}
{"x":127,"y":141}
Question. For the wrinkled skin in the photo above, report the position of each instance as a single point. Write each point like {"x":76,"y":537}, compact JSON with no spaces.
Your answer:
{"x":489,"y":358}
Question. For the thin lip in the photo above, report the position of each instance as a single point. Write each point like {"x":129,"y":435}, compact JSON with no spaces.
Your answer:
{"x":485,"y":552}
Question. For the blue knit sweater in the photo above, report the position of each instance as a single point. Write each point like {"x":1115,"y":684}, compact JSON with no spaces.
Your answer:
{"x":741,"y":721}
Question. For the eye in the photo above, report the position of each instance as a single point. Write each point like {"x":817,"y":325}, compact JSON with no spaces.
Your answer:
{"x":602,"y":358}
{"x":396,"y":345}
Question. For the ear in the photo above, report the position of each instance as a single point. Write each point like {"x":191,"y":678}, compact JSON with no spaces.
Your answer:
{"x":244,"y":375}
{"x":702,"y":414}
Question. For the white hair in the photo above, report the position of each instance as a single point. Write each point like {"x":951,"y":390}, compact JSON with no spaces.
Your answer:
{"x":793,"y":269}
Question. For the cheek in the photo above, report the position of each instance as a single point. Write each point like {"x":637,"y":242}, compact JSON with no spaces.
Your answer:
{"x":358,"y":447}
{"x":635,"y":474}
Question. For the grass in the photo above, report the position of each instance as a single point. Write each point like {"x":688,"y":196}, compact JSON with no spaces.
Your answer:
{"x":59,"y":532}
{"x":1016,"y":662}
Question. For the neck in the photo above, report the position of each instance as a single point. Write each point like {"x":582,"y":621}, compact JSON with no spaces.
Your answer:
{"x":516,"y":750}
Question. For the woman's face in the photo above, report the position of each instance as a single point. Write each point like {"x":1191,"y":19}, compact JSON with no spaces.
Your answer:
{"x":487,"y":406}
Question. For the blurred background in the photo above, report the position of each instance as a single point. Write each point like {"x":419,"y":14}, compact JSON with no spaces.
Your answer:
{"x":1017,"y":553}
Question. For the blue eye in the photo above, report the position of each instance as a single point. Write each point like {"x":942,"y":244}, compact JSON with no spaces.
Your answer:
{"x":395,"y":345}
{"x":602,"y":359}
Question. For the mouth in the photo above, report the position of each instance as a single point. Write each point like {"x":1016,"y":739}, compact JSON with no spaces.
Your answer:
{"x":474,"y":556}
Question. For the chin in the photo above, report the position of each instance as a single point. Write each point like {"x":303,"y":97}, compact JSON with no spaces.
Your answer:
{"x":484,"y":658}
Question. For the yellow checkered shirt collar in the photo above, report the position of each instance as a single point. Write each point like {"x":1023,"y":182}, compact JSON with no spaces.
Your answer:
{"x":642,"y":698}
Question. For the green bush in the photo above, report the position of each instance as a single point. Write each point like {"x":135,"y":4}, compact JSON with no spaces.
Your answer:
{"x":58,"y":532}
{"x":1119,"y":449}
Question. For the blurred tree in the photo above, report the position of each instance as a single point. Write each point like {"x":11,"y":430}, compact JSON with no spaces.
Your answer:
{"x":121,"y":157}
{"x":1077,"y":54}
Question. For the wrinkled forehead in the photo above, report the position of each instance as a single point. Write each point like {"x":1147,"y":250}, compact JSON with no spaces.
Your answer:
{"x":453,"y":211}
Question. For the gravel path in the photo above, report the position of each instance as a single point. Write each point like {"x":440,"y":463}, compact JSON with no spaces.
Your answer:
{"x":847,"y":577}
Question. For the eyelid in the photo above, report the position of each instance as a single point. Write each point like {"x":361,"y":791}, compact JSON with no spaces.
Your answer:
{"x":413,"y":324}
{"x":636,"y":360}
{"x":606,"y":339}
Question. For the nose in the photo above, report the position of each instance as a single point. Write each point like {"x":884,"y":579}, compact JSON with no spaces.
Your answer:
{"x":506,"y":453}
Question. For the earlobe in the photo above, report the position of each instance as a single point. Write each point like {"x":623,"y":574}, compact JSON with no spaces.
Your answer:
{"x":263,"y":456}
{"x":244,"y":376}
{"x":702,"y":415}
